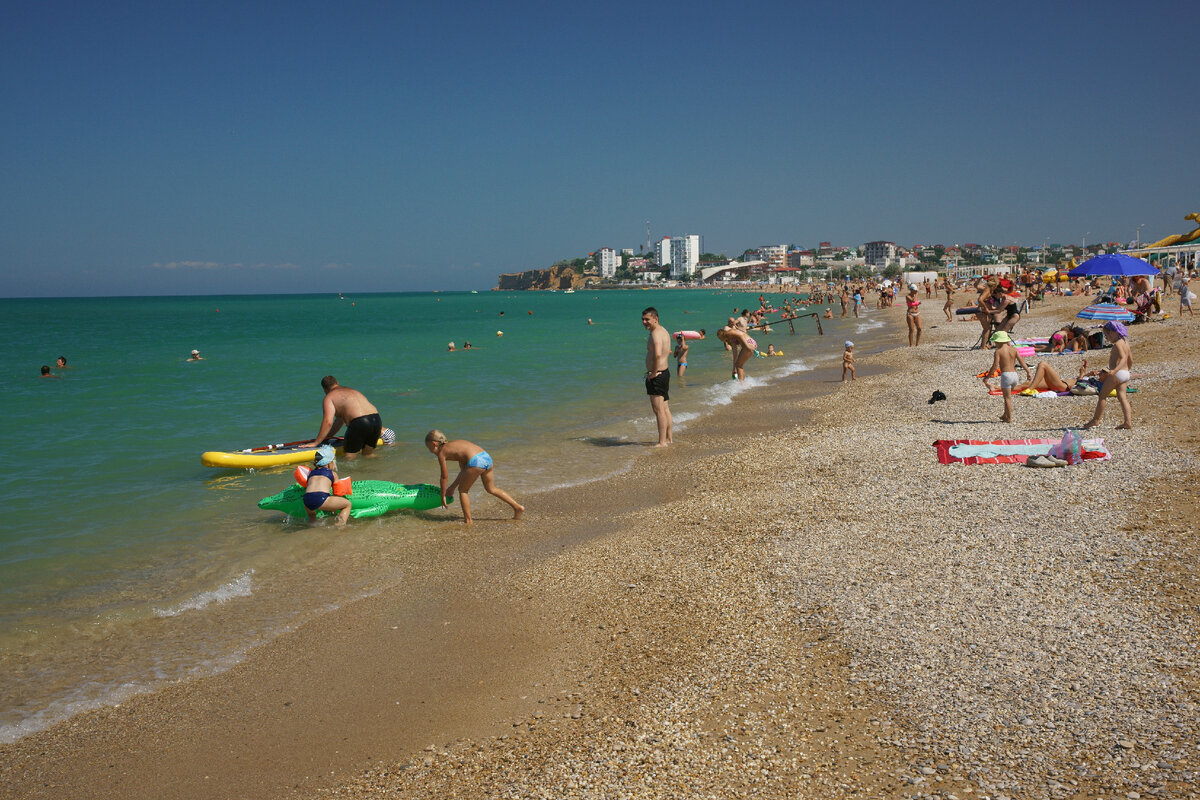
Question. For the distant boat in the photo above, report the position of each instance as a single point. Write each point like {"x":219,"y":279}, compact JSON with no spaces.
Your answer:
{"x":568,"y":291}
{"x":474,"y":292}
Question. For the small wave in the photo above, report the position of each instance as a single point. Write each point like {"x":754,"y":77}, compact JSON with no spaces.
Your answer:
{"x":67,"y":708}
{"x":868,"y":325}
{"x":241,"y":586}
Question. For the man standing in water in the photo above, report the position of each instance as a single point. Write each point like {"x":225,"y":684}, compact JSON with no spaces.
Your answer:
{"x":658,"y":376}
{"x":345,"y":405}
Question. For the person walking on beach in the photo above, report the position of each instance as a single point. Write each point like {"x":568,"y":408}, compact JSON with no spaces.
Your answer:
{"x":1120,"y":361}
{"x":1185,"y":293}
{"x":474,"y":462}
{"x":845,"y":300}
{"x":658,"y":375}
{"x":681,"y":351}
{"x":1004,"y":361}
{"x":848,"y":361}
{"x":947,"y":308}
{"x":343,"y":405}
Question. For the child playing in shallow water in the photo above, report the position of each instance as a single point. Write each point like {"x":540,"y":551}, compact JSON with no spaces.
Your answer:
{"x":474,"y":462}
{"x":848,"y":361}
{"x":318,"y":489}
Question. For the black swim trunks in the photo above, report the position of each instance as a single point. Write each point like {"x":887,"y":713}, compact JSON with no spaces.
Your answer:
{"x":659,"y":384}
{"x":364,"y":430}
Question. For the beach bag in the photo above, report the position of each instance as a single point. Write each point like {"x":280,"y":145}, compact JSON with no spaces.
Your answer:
{"x":1070,"y":449}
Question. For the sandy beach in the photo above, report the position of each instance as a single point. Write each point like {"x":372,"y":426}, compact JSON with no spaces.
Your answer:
{"x":796,"y":600}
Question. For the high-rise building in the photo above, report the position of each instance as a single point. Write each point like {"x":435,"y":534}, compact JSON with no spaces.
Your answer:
{"x":609,"y":261}
{"x":663,"y":251}
{"x":685,"y":255}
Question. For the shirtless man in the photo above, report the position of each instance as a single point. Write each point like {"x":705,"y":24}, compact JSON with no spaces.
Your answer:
{"x":658,"y":375}
{"x":1005,"y":361}
{"x":346,"y":406}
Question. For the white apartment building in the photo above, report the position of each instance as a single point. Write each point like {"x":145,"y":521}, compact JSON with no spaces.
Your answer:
{"x":662,"y":251}
{"x":685,"y":255}
{"x":609,"y":261}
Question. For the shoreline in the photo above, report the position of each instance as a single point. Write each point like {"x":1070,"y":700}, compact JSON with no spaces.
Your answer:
{"x":705,"y":626}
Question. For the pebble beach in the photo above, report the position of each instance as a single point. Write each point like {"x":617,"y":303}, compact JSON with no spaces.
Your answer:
{"x":795,"y":600}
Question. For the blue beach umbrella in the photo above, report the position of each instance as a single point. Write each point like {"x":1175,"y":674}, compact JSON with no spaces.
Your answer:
{"x":1106,"y":312}
{"x":1114,"y":264}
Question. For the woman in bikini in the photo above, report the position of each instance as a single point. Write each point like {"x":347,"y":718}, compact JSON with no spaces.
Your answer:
{"x":913,"y":316}
{"x":741,"y":345}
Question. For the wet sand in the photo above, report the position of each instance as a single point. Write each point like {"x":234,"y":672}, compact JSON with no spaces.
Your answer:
{"x":743,"y":614}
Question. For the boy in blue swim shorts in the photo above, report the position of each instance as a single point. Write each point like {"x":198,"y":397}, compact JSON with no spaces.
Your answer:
{"x":474,"y":463}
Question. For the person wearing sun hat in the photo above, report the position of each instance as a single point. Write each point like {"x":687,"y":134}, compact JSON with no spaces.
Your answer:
{"x":195,"y":356}
{"x":1116,"y":377}
{"x":318,"y":489}
{"x":1004,"y":362}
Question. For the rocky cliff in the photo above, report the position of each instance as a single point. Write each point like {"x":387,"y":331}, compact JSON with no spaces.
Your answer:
{"x":553,"y":278}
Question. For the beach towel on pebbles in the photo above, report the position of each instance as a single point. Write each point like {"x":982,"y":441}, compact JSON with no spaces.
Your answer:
{"x":1007,"y":451}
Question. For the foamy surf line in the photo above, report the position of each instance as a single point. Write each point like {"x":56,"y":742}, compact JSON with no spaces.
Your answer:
{"x":98,"y":694}
{"x":241,"y":586}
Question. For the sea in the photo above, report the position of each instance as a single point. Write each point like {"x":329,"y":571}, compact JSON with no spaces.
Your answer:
{"x":125,"y":564}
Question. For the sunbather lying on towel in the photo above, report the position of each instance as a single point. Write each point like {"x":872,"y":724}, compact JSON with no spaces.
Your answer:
{"x":1067,"y":339}
{"x":1045,"y":379}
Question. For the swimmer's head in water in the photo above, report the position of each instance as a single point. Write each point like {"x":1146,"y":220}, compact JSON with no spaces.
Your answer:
{"x":324,"y":455}
{"x":62,"y":361}
{"x":388,"y":436}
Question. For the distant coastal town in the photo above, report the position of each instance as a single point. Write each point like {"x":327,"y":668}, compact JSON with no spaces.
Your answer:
{"x":681,"y":261}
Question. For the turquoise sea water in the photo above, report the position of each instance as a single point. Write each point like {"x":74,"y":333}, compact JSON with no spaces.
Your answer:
{"x":124,"y":561}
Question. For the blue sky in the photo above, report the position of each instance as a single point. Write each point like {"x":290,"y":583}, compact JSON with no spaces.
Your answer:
{"x":167,"y":148}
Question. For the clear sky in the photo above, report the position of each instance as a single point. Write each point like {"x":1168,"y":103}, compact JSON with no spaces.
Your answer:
{"x":174,"y":148}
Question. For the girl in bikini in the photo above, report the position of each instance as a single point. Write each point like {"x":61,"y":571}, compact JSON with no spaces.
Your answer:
{"x":1120,"y":361}
{"x":474,"y":463}
{"x":318,"y":489}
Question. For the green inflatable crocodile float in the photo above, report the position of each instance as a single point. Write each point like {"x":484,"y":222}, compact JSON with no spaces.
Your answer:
{"x":367,"y":499}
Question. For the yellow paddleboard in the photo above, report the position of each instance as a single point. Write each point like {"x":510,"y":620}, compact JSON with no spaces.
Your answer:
{"x":270,"y":455}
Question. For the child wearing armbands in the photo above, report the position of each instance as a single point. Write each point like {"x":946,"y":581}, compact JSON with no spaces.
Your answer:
{"x":318,"y":489}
